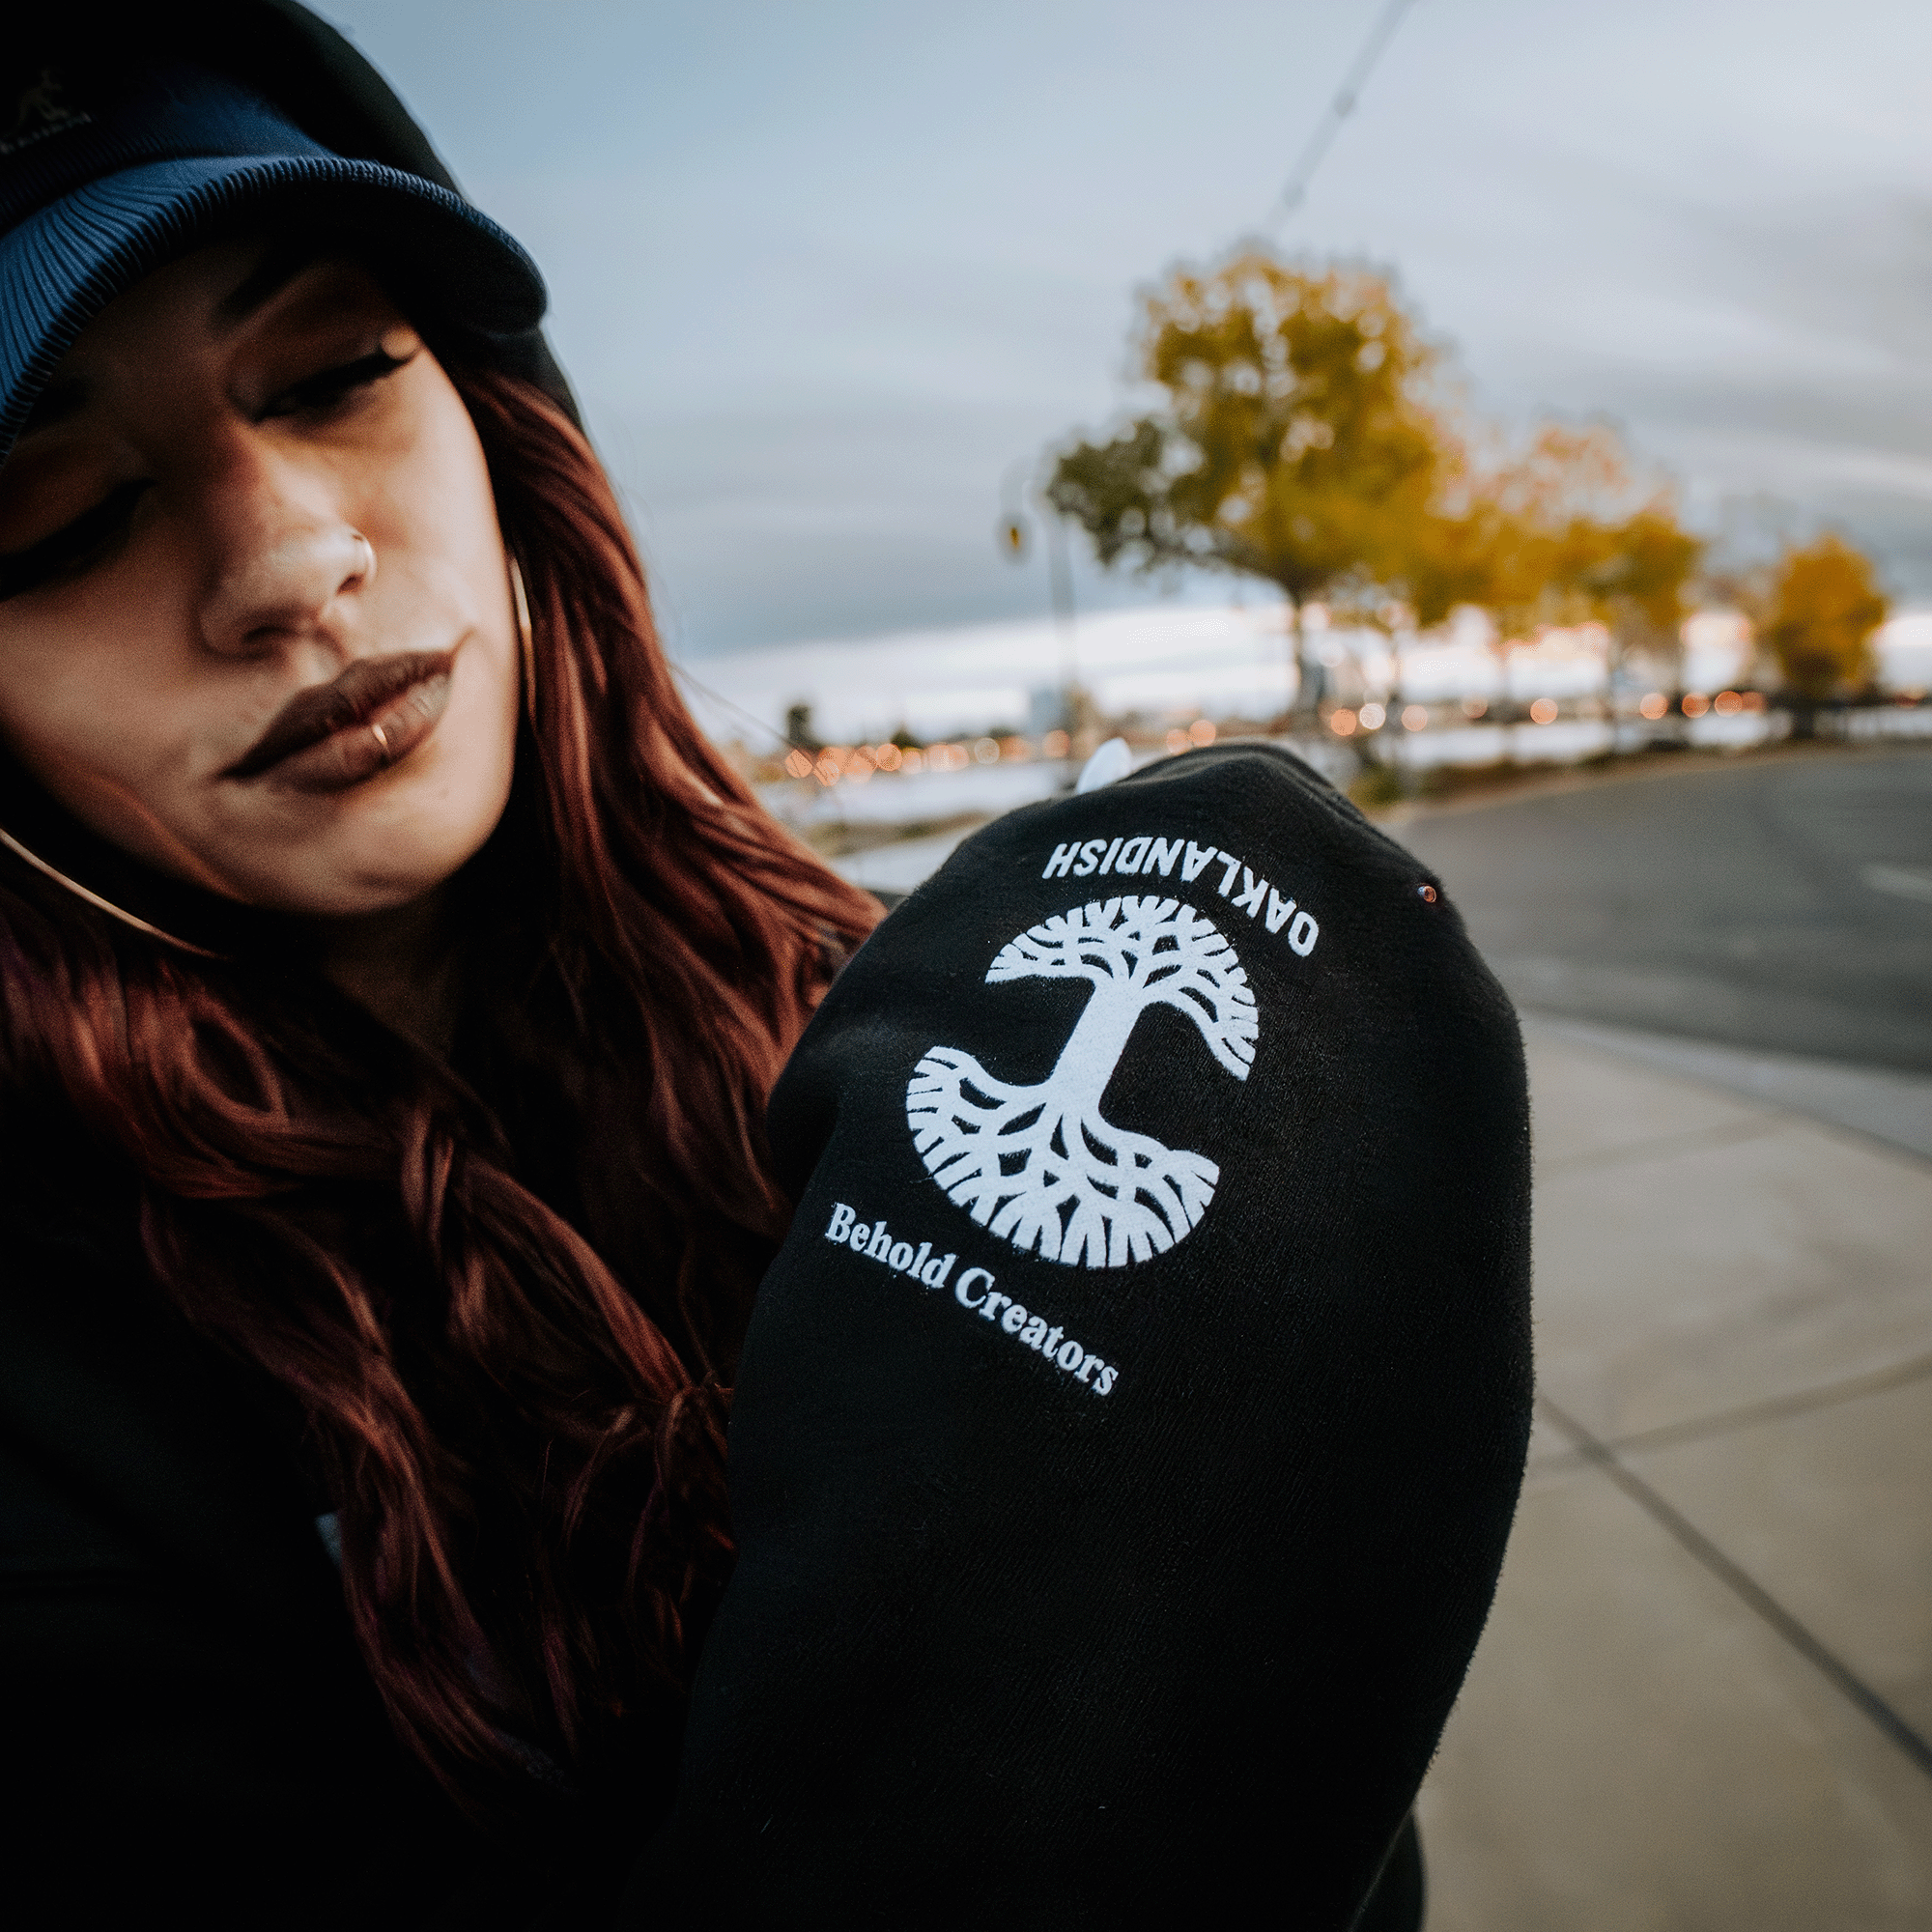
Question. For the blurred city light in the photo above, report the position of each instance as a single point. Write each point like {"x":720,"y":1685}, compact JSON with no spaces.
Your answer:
{"x":1450,"y":703}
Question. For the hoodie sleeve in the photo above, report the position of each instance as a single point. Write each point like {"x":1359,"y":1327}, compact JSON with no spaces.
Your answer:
{"x":1128,"y":1432}
{"x":196,"y":1738}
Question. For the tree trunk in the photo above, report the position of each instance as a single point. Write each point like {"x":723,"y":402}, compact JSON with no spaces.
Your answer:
{"x":1613,"y":664}
{"x":1392,"y":723}
{"x":1309,"y":679}
{"x":1087,"y":1062}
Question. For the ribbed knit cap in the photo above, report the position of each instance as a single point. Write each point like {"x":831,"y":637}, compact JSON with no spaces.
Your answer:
{"x":106,"y":173}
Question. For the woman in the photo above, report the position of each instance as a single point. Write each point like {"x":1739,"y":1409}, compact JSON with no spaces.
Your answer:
{"x":1126,"y":1436}
{"x":393,"y":981}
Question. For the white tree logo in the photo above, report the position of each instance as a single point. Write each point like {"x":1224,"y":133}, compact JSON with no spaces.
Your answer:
{"x":1041,"y":1165}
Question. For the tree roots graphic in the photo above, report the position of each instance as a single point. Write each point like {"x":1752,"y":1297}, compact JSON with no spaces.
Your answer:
{"x":1040,"y":1166}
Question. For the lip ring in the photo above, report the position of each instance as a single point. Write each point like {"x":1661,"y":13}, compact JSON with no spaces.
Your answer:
{"x":382,"y":738}
{"x":362,"y":691}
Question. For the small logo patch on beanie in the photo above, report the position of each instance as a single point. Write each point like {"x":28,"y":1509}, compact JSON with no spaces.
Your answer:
{"x":1039,"y":1165}
{"x":40,"y":110}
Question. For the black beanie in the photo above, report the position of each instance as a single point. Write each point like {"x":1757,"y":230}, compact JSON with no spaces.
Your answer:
{"x":109,"y":105}
{"x":1128,"y":1433}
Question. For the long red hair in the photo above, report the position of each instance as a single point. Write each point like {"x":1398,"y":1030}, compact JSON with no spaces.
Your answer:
{"x":505,"y":1290}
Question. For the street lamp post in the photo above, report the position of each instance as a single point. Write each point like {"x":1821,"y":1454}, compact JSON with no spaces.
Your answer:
{"x":1014,"y":540}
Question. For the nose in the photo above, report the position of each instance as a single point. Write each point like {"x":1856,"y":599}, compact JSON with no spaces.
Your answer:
{"x":284,"y":570}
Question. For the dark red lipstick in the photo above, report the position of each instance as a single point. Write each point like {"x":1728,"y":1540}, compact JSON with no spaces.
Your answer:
{"x":334,"y":735}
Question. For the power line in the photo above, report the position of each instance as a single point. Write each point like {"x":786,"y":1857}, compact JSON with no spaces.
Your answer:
{"x":718,"y":698}
{"x":1296,"y":191}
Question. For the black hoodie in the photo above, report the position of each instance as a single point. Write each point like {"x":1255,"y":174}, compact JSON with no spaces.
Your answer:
{"x":1128,"y":1432}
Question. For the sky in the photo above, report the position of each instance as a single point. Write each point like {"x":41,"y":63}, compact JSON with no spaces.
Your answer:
{"x":831,"y":277}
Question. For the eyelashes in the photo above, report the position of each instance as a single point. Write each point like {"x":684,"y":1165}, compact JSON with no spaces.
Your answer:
{"x":92,"y":536}
{"x":334,"y":387}
{"x":77,"y":543}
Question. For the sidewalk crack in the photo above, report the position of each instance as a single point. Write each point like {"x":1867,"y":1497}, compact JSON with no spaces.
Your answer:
{"x":1773,"y":1408}
{"x":1696,"y":1141}
{"x":1742,"y":1584}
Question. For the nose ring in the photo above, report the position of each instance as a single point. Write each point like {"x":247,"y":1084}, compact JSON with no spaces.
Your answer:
{"x":368,"y":549}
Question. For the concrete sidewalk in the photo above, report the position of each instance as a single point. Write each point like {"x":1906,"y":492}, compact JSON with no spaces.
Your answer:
{"x":1704,"y":1699}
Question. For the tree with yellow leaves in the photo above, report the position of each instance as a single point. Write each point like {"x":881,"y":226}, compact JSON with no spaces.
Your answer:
{"x":1304,"y":437}
{"x":1295,"y":441}
{"x":1823,"y":607}
{"x":1565,"y":532}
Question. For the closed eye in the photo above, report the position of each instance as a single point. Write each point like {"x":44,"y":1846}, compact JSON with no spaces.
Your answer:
{"x":84,"y":541}
{"x":333,"y":388}
{"x":90,"y":537}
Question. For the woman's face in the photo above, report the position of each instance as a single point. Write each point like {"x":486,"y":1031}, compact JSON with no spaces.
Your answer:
{"x":256,"y":625}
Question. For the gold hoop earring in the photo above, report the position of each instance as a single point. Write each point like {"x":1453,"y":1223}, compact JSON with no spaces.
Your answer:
{"x":99,"y":903}
{"x":524,"y":638}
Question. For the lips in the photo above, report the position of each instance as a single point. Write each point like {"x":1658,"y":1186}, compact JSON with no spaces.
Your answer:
{"x":336,"y":735}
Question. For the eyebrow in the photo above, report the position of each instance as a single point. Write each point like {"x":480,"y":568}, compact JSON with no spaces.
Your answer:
{"x":55,"y":404}
{"x":67,"y":397}
{"x":272,"y":274}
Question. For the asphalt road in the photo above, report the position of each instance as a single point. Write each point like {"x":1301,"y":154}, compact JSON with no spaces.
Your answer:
{"x":1783,"y":905}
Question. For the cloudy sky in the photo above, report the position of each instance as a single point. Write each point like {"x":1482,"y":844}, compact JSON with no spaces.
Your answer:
{"x":826,"y":273}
